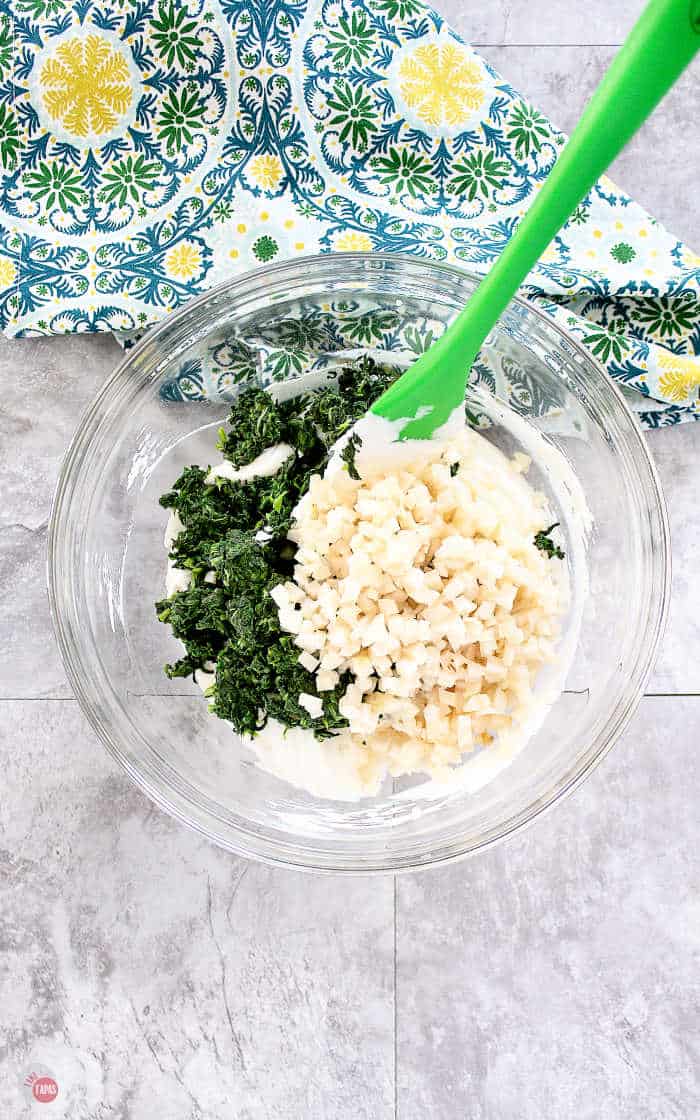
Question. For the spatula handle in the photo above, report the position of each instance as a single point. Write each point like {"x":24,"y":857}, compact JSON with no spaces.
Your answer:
{"x":658,"y":49}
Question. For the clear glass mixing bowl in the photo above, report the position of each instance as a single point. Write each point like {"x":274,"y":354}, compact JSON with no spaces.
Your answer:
{"x":106,"y":567}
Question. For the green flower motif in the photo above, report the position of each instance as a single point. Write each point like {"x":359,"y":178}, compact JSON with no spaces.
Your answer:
{"x":179,"y":118}
{"x":40,"y":8}
{"x":172,"y":35}
{"x":416,"y":340}
{"x":623,"y":253}
{"x":604,"y":341}
{"x":5,"y":44}
{"x":351,"y":41}
{"x":223,"y":212}
{"x":9,"y":137}
{"x":280,"y":364}
{"x":354,"y":113}
{"x":237,"y":362}
{"x":53,"y":183}
{"x":527,"y":129}
{"x":265,"y":248}
{"x":128,"y":177}
{"x":479,"y":173}
{"x":579,"y":216}
{"x":299,"y":334}
{"x":665,"y":317}
{"x":405,"y":171}
{"x":401,"y":9}
{"x":370,"y":327}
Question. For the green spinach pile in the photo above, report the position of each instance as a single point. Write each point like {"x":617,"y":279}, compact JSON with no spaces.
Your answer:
{"x":234,"y":622}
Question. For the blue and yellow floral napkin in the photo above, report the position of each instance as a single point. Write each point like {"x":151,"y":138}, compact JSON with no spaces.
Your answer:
{"x":149,"y":150}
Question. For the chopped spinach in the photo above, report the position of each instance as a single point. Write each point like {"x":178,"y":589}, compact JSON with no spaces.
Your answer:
{"x":279,"y":494}
{"x":234,"y":622}
{"x":334,"y":410}
{"x":543,"y":541}
{"x":348,"y":455}
{"x":255,"y":423}
{"x":198,"y":617}
{"x":208,"y":513}
{"x":239,"y":562}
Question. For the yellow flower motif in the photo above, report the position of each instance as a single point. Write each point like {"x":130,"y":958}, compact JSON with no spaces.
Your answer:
{"x":86,"y":85}
{"x":550,"y":255}
{"x":183,"y":261}
{"x":441,"y":83}
{"x":8,"y":272}
{"x":689,"y":258}
{"x":351,"y":241}
{"x":266,"y":172}
{"x":682,"y":375}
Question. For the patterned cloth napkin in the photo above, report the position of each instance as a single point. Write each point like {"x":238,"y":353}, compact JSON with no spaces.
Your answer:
{"x":150,"y":150}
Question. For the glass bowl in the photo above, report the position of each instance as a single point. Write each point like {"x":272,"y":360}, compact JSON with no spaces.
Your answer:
{"x":107,"y":559}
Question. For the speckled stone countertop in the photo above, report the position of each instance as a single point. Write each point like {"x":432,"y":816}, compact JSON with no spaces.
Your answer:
{"x":155,"y":976}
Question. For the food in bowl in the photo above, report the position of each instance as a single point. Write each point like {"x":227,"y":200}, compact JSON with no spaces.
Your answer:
{"x":542,"y":394}
{"x":357,"y":607}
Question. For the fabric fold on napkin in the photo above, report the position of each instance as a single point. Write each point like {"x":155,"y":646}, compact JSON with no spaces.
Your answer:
{"x":151,"y":150}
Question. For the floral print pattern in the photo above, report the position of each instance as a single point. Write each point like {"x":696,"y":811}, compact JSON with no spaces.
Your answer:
{"x":9,"y":138}
{"x":175,"y":35}
{"x":152,"y":148}
{"x":86,"y":85}
{"x":680,"y":378}
{"x":441,"y":81}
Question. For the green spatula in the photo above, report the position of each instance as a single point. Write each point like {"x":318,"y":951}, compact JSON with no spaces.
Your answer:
{"x":657,"y":50}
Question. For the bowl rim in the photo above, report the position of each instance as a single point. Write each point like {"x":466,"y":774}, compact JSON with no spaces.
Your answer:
{"x":252,"y":843}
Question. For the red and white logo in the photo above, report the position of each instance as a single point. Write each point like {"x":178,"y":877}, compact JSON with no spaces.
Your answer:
{"x":41,"y":1086}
